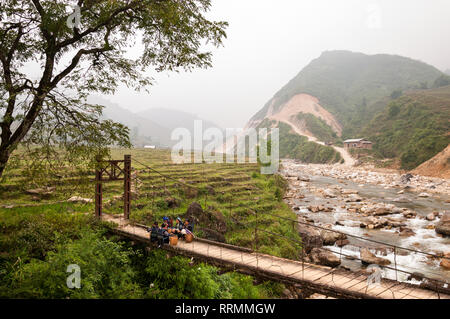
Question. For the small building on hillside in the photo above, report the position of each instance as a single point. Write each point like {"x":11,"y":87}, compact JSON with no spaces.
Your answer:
{"x":358,"y":143}
{"x":150,"y":147}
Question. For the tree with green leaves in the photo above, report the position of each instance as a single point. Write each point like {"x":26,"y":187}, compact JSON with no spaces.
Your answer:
{"x":79,"y":52}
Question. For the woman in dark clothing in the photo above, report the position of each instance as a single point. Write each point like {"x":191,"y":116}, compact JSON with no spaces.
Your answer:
{"x":153,"y":232}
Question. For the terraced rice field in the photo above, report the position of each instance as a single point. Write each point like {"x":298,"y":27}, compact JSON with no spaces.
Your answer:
{"x":236,"y":194}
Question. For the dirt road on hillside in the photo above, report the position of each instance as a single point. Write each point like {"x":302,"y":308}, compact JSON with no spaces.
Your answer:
{"x":349,"y":160}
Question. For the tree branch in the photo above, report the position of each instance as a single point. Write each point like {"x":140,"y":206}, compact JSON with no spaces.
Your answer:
{"x":74,"y":63}
{"x":90,"y":30}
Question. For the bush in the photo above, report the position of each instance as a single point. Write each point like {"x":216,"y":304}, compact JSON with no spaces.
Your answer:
{"x":278,"y":194}
{"x":106,"y":272}
{"x":162,"y":204}
{"x":174,"y":278}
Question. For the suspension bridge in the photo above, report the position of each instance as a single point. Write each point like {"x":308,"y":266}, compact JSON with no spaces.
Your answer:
{"x":313,"y":278}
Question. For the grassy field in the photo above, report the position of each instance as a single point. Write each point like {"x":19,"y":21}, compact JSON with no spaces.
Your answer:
{"x":236,"y":197}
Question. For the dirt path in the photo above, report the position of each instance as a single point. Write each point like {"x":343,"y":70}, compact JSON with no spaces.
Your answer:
{"x":304,"y":103}
{"x":349,"y":160}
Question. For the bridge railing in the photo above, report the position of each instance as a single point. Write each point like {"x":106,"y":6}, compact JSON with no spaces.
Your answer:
{"x":432,"y":283}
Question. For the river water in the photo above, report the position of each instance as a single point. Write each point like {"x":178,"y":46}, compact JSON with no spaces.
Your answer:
{"x":425,"y":240}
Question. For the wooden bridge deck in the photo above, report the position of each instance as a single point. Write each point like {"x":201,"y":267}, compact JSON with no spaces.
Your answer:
{"x":325,"y":280}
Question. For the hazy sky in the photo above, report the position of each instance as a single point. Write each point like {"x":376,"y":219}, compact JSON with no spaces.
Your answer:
{"x":270,"y":41}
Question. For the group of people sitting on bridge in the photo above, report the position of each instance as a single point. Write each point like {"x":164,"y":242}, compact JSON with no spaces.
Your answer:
{"x":161,"y":234}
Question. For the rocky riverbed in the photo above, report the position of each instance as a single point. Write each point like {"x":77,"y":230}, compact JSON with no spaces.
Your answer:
{"x":379,"y":208}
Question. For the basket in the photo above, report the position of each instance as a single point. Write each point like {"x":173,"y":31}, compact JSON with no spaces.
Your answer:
{"x":173,"y":240}
{"x":189,"y":238}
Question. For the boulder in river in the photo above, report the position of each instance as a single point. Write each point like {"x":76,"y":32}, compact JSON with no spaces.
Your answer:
{"x":324,"y":257}
{"x":331,"y":237}
{"x":382,"y":211}
{"x":409,"y":214}
{"x":445,"y":262}
{"x":310,"y":237}
{"x":406,"y":232}
{"x":443,"y":227}
{"x":353,"y":198}
{"x":368,"y":258}
{"x":329,"y":193}
{"x":395,"y":223}
{"x":349,"y":191}
{"x":402,"y":199}
{"x":406,"y":178}
{"x":303,"y":178}
{"x":342,"y":242}
{"x":416,"y":276}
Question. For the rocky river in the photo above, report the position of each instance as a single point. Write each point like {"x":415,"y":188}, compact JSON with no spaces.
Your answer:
{"x":380,"y":208}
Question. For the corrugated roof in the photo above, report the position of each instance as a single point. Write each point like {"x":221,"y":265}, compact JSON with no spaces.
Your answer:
{"x":353,"y":140}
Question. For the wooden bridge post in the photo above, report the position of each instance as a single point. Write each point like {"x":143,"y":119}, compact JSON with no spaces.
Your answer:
{"x":126,"y":186}
{"x":256,"y":240}
{"x":98,"y":189}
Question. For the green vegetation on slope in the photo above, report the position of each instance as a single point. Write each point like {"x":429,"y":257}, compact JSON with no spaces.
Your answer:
{"x":318,"y":127}
{"x":298,"y":147}
{"x":349,"y":85}
{"x":413,"y":127}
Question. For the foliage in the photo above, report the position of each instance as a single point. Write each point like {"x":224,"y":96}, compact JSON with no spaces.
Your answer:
{"x":396,"y":94}
{"x":413,"y":128}
{"x":105,"y":269}
{"x":50,"y":109}
{"x":298,"y":147}
{"x":318,"y":127}
{"x":174,"y":278}
{"x":441,"y":81}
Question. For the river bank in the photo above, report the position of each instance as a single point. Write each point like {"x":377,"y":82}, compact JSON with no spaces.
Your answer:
{"x":383,"y":206}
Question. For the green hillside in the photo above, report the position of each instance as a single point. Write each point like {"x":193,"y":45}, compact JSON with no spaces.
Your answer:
{"x":298,"y":147}
{"x":318,"y":127}
{"x":350,"y":85}
{"x":413,"y":127}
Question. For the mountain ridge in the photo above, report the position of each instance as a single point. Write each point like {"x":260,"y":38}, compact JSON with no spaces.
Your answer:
{"x":345,"y":90}
{"x":345,"y":82}
{"x":153,"y":126}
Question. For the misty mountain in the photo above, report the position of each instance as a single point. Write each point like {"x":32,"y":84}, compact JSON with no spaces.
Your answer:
{"x":447,"y":71}
{"x":173,"y":119}
{"x":142,"y":130}
{"x":150,"y":127}
{"x":338,"y":94}
{"x":350,"y":86}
